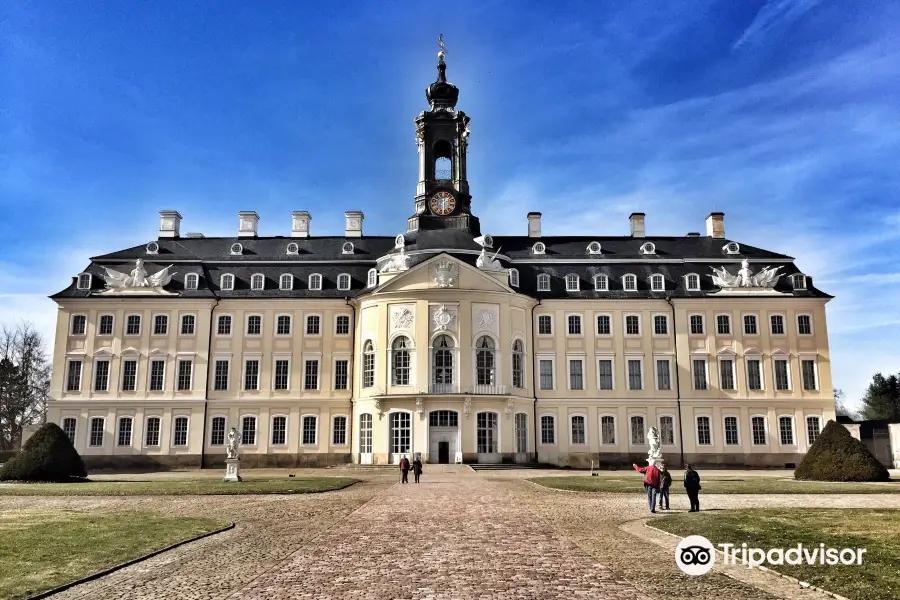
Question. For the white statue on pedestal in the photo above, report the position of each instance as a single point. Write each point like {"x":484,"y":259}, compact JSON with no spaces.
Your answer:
{"x":232,"y":460}
{"x":654,"y":456}
{"x":231,"y":445}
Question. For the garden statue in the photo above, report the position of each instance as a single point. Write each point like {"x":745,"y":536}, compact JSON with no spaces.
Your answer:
{"x":232,"y":460}
{"x":654,"y":456}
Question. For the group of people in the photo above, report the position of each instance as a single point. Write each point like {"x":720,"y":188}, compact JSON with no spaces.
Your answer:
{"x":406,"y":466}
{"x":657,"y":482}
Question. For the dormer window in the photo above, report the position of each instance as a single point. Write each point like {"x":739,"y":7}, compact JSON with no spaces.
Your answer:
{"x":539,"y":248}
{"x":657,"y":283}
{"x":84,"y":281}
{"x":344,"y":281}
{"x":347,"y":248}
{"x":237,"y":249}
{"x":372,"y":278}
{"x":286,"y":282}
{"x":226,"y":282}
{"x":732,"y":248}
{"x":152,"y":248}
{"x":543,"y":282}
{"x":191,"y":281}
{"x":594,"y":248}
{"x":692,"y":282}
{"x":293,"y":249}
{"x":798,"y":280}
{"x":648,"y":248}
{"x":257,"y":281}
{"x":514,"y":277}
{"x":315,"y":281}
{"x":601,"y":283}
{"x":629,"y":283}
{"x":572,"y":282}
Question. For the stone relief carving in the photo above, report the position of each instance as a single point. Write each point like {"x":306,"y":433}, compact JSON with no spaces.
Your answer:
{"x":445,"y":273}
{"x":402,"y":318}
{"x":377,"y":404}
{"x":467,"y":407}
{"x":443,"y":318}
{"x":509,"y":407}
{"x":137,"y":281}
{"x":766,"y":278}
{"x":485,"y":319}
{"x":420,"y":408}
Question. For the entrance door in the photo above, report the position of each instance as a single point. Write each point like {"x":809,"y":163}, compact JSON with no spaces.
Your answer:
{"x":443,"y":435}
{"x":444,"y":453}
{"x":400,"y":436}
{"x":487,"y":437}
{"x":521,"y":437}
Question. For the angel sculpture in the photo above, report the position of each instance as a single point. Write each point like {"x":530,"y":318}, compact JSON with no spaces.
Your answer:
{"x":767,"y":277}
{"x":138,"y":277}
{"x":488,"y":263}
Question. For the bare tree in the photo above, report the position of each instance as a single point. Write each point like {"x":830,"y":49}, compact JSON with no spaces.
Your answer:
{"x":24,"y":382}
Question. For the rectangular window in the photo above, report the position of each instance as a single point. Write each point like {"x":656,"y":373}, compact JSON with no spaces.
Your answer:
{"x":782,"y":380}
{"x":750,"y":325}
{"x":704,"y":434}
{"x":545,"y":325}
{"x":634,"y":375}
{"x":754,"y":375}
{"x":574,"y":325}
{"x":251,"y":374}
{"x":73,"y":377}
{"x":188,"y":323}
{"x":786,"y":429}
{"x":607,"y":430}
{"x":546,"y":372}
{"x":731,"y":431}
{"x":605,"y":374}
{"x":365,"y":433}
{"x":185,"y":375}
{"x":309,"y":430}
{"x":809,"y":374}
{"x":79,"y":325}
{"x":663,"y":375}
{"x":282,"y":374}
{"x":661,"y":325}
{"x":224,"y":327}
{"x":342,"y":325}
{"x":576,"y":375}
{"x":152,"y":436}
{"x":311,"y":375}
{"x":578,"y":434}
{"x":254,"y":325}
{"x":548,"y":430}
{"x":180,"y":431}
{"x":97,"y":425}
{"x":68,"y":427}
{"x":133,"y":325}
{"x":813,"y":428}
{"x":696,"y":324}
{"x":633,"y":325}
{"x":341,"y":374}
{"x":157,"y":375}
{"x":160,"y":325}
{"x":101,"y":375}
{"x":283,"y":325}
{"x":339,"y":436}
{"x":758,"y":425}
{"x":667,"y":430}
{"x":106,"y":325}
{"x":125,"y":424}
{"x":604,"y":325}
{"x":700,"y":374}
{"x":723,"y":324}
{"x":248,"y":432}
{"x":777,"y":324}
{"x":637,"y":431}
{"x":220,"y":376}
{"x":726,"y":374}
{"x":279,"y":431}
{"x":129,"y":375}
{"x":804,"y":325}
{"x":217,"y":432}
{"x":312,"y":325}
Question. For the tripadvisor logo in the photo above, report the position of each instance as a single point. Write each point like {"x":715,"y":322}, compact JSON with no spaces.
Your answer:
{"x":696,"y":555}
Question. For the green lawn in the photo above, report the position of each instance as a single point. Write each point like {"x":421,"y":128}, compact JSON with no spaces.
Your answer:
{"x":750,"y":485}
{"x":180,"y":487}
{"x":877,"y":530}
{"x":43,"y":549}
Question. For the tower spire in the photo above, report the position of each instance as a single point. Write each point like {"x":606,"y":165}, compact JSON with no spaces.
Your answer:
{"x":442,"y":66}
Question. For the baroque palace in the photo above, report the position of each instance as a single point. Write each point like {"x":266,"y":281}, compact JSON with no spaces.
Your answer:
{"x":444,"y":341}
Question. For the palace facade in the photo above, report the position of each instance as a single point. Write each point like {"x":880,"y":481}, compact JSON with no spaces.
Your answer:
{"x":444,"y":340}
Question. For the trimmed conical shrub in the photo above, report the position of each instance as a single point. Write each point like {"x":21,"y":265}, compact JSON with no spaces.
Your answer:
{"x":48,"y":455}
{"x":838,"y":456}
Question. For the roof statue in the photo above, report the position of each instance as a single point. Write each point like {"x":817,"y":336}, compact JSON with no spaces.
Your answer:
{"x":766,"y":278}
{"x":137,"y":280}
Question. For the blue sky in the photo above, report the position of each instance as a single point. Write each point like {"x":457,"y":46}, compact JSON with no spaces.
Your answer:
{"x":784,"y":114}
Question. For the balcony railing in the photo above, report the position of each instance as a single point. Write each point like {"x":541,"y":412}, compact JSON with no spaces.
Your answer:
{"x":443,"y":388}
{"x":489,"y":390}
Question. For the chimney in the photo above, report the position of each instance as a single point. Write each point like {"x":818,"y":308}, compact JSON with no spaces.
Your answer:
{"x":637,"y":224}
{"x":169,"y":223}
{"x":248,"y":220}
{"x":354,"y":220}
{"x":300,"y":224}
{"x":534,"y":224}
{"x":715,"y":225}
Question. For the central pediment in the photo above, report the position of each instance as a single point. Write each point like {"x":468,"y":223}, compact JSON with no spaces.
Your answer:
{"x":445,"y":272}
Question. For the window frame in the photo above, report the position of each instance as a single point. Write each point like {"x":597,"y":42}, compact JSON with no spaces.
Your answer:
{"x":83,"y":322}
{"x":277,"y":325}
{"x":578,"y":321}
{"x":687,"y":282}
{"x":709,"y":421}
{"x":695,"y":358}
{"x":371,"y":278}
{"x":513,"y":277}
{"x":315,"y":282}
{"x":812,"y":330}
{"x":156,"y":321}
{"x":276,"y":358}
{"x":257,"y":282}
{"x":334,"y":429}
{"x":549,"y":317}
{"x":231,"y":281}
{"x":248,"y":358}
{"x":569,"y":361}
{"x":215,"y":376}
{"x":147,"y":431}
{"x":337,"y":318}
{"x":334,"y":373}
{"x":730,"y":331}
{"x":90,"y":432}
{"x":259,"y":330}
{"x":755,"y":317}
{"x":219,"y":320}
{"x":640,"y":328}
{"x":573,"y":282}
{"x":818,"y":418}
{"x":814,"y":359}
{"x":665,"y":318}
{"x":765,"y":430}
{"x":181,"y":332}
{"x":662,"y":441}
{"x":303,"y":420}
{"x":782,"y":357}
{"x":286,"y":277}
{"x":639,"y":358}
{"x":612,"y":371}
{"x":119,"y":420}
{"x":734,"y":381}
{"x":62,"y":425}
{"x":701,"y":319}
{"x":543,"y":282}
{"x":112,"y":324}
{"x":615,"y":429}
{"x":178,"y":361}
{"x":644,"y":430}
{"x":668,"y":360}
{"x":212,"y":430}
{"x":737,"y":430}
{"x":632,"y":278}
{"x":140,"y":325}
{"x":793,"y":441}
{"x":255,"y":418}
{"x":341,"y":279}
{"x":165,"y":375}
{"x":287,"y":429}
{"x":657,"y":277}
{"x":80,"y":360}
{"x":78,"y":282}
{"x":313,"y":320}
{"x":584,"y":423}
{"x":601,"y":282}
{"x":609,"y":319}
{"x":762,"y":372}
{"x":187,"y":431}
{"x":191,"y":282}
{"x":552,"y":360}
{"x":318,"y":374}
{"x":544,"y":431}
{"x":97,"y":361}
{"x":784,"y":329}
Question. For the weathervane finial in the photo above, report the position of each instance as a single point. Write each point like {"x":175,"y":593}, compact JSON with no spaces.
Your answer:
{"x":440,"y":43}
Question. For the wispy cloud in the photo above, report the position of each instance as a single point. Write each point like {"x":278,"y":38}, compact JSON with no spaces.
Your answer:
{"x":774,"y":16}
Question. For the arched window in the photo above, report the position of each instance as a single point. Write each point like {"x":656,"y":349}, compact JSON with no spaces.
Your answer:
{"x":657,"y":283}
{"x":315,"y":281}
{"x":343,"y":281}
{"x":191,"y":281}
{"x":443,"y":166}
{"x":257,"y":281}
{"x":572,"y":282}
{"x":484,"y":361}
{"x":538,"y":248}
{"x":226,"y":282}
{"x":629,"y":283}
{"x":368,"y":365}
{"x":732,"y":248}
{"x":84,"y":281}
{"x":293,"y":248}
{"x":286,"y":282}
{"x":400,"y":361}
{"x":543,"y":282}
{"x":601,"y":283}
{"x":692,"y":282}
{"x":514,"y":277}
{"x":593,"y":248}
{"x":347,"y":248}
{"x":442,"y":365}
{"x":152,"y":248}
{"x":372,"y":279}
{"x":799,"y":281}
{"x":648,"y":248}
{"x":237,"y":249}
{"x":518,"y":364}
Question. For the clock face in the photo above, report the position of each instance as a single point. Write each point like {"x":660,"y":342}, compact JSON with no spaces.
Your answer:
{"x":443,"y":203}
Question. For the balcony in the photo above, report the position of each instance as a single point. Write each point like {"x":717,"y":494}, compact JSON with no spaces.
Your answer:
{"x":438,"y":389}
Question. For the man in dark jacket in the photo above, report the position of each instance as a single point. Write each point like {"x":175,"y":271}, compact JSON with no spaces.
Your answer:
{"x":692,"y":487}
{"x":404,"y":470}
{"x":651,"y":483}
{"x":665,"y":481}
{"x":417,"y":468}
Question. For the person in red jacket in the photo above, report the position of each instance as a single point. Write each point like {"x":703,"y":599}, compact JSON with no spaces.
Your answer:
{"x":651,"y":483}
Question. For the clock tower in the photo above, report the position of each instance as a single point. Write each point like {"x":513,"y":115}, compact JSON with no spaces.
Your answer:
{"x":442,"y":135}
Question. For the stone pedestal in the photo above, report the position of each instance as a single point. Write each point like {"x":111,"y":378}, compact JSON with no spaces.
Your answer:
{"x":233,"y":469}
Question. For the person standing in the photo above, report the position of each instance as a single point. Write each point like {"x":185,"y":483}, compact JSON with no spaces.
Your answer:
{"x":404,"y":470}
{"x":665,"y":482}
{"x":692,"y":487}
{"x":417,"y":468}
{"x":651,"y":483}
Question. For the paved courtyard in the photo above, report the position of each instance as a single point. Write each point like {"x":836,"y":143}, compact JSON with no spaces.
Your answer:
{"x":458,"y":534}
